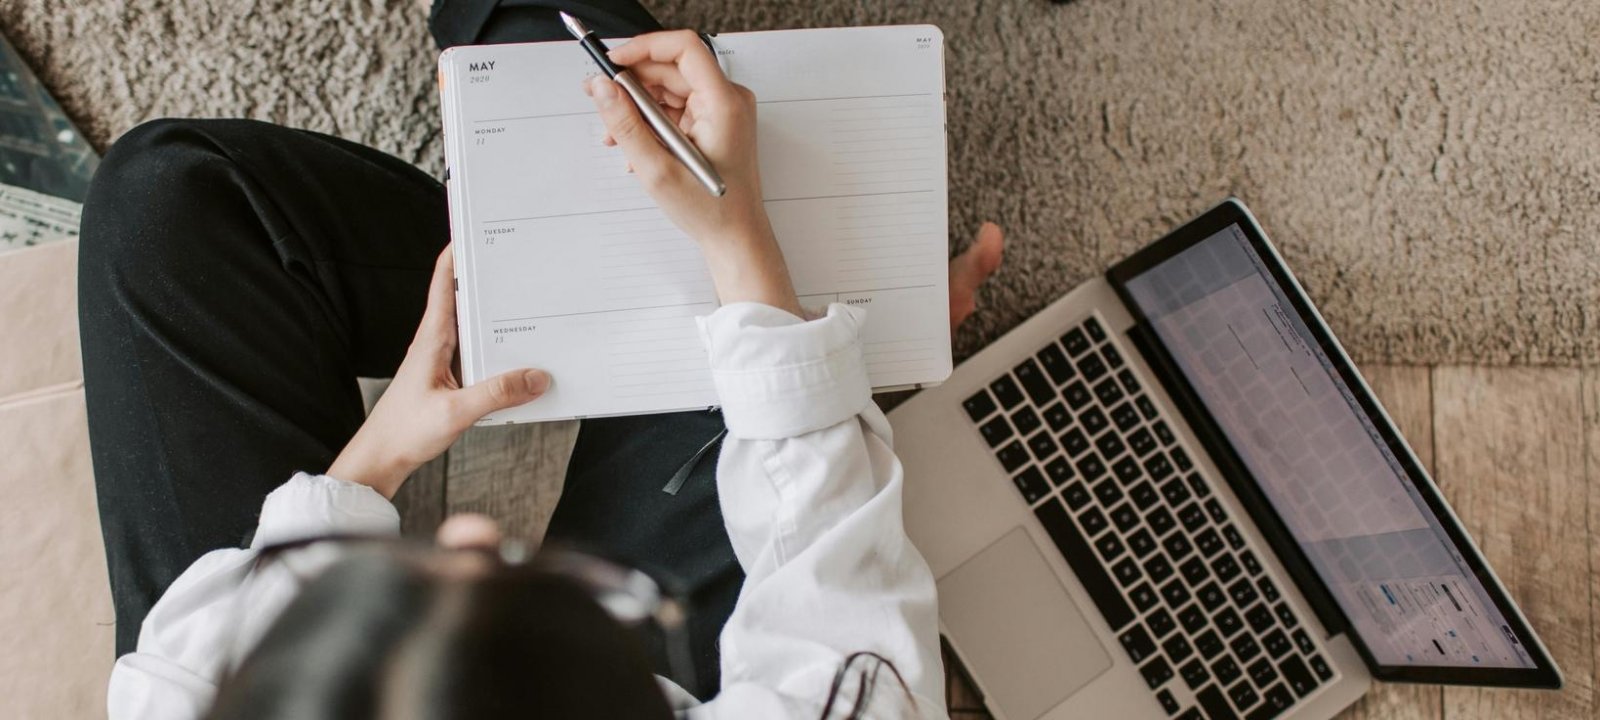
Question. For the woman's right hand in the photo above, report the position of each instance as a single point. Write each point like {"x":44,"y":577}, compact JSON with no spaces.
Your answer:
{"x":719,"y":116}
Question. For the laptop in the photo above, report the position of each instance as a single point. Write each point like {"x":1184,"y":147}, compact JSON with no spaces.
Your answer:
{"x":1170,"y":494}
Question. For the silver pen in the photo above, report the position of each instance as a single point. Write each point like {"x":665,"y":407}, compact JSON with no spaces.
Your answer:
{"x":668,"y":131}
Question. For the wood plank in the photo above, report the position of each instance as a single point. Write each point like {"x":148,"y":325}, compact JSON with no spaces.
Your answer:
{"x":421,"y":501}
{"x":1407,"y":395}
{"x":1591,"y":427}
{"x":1509,"y":450}
{"x":511,"y":473}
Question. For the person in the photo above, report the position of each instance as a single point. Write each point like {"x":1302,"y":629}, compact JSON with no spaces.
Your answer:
{"x":235,"y":277}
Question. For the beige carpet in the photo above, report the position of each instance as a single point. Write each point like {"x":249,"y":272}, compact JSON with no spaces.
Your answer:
{"x":1431,"y":168}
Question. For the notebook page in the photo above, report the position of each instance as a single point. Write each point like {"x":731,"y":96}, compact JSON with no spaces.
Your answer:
{"x":566,"y":264}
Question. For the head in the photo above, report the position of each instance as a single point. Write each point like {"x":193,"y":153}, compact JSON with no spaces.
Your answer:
{"x":450,"y":634}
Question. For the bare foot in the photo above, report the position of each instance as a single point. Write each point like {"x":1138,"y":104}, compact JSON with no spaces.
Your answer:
{"x":969,"y":269}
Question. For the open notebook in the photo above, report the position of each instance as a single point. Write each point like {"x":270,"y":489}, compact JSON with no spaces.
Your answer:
{"x":564,"y":263}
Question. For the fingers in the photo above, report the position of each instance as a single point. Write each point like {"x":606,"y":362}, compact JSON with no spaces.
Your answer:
{"x":437,"y":331}
{"x":679,"y":47}
{"x":666,"y":76}
{"x":971,"y":268}
{"x":650,"y":160}
{"x":502,"y":391}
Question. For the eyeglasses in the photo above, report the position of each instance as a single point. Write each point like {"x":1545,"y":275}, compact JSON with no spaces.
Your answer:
{"x":629,"y":595}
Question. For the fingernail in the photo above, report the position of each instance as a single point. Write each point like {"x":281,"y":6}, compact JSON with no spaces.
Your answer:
{"x":538,"y":380}
{"x":602,"y":89}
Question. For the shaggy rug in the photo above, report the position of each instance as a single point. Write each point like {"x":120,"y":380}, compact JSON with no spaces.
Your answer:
{"x":1431,"y":169}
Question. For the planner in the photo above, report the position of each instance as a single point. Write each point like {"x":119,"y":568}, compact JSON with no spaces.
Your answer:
{"x":564,"y":263}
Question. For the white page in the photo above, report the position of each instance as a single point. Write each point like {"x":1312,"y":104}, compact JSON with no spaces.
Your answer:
{"x":564,"y":263}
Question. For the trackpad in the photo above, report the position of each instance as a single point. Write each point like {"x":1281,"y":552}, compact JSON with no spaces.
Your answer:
{"x":1018,"y":630}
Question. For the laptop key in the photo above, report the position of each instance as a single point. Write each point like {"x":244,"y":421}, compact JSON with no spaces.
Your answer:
{"x":1058,"y":525}
{"x":1245,"y":648}
{"x":1093,"y":521}
{"x":1262,"y":673}
{"x":1226,"y":670}
{"x":1209,"y":542}
{"x":1059,"y":471}
{"x":996,"y":431}
{"x":1215,"y":703}
{"x":1136,"y":641}
{"x":1033,"y":380}
{"x":1273,"y":703}
{"x":1142,"y":442}
{"x":1320,"y":667}
{"x":1109,"y":445}
{"x":1091,"y":367}
{"x":1159,"y":468}
{"x":1303,"y":641}
{"x":1127,"y":470}
{"x":1005,"y":390}
{"x":1144,"y":495}
{"x":1297,"y":675}
{"x":1163,"y":433}
{"x":1168,"y":703}
{"x":1057,"y":417}
{"x":1076,"y":342}
{"x":1259,"y":618}
{"x":1112,"y":355}
{"x":1249,"y":561}
{"x":1199,"y":486}
{"x":1225,"y":567}
{"x":1161,"y":623}
{"x":1013,"y":456}
{"x":1110,"y":547}
{"x":1093,"y":421}
{"x":1147,"y":408}
{"x":1160,"y":521}
{"x":1126,"y":571}
{"x":1141,"y":543}
{"x":1143,"y":597}
{"x":1158,"y":569}
{"x":1124,"y":517}
{"x":1268,"y":590}
{"x":1075,"y":442}
{"x":1129,"y":382}
{"x":1108,"y":391}
{"x":1194,"y":674}
{"x":1192,"y":713}
{"x":1277,"y":643}
{"x":1032,"y":485}
{"x":1209,"y":644}
{"x":1191,"y":516}
{"x":1175,"y":593}
{"x":1192,"y":619}
{"x":1181,"y":460}
{"x":1229,"y":622}
{"x":1243,"y":696}
{"x":1077,"y":495}
{"x":1178,"y":648}
{"x":1125,"y":417}
{"x":1026,"y":420}
{"x":1055,"y":363}
{"x":1042,"y":445}
{"x":1213,"y":508}
{"x":1177,"y":546}
{"x":1096,"y":333}
{"x":1077,"y":395}
{"x":1235,"y":540}
{"x":1242,"y":592}
{"x":1090,"y":467}
{"x":1156,"y":672}
{"x":1212,"y":596}
{"x":979,"y":406}
{"x":1194,"y":570}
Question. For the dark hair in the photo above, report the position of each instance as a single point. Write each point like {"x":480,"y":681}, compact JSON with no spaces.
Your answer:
{"x":381,"y":635}
{"x":377,"y":636}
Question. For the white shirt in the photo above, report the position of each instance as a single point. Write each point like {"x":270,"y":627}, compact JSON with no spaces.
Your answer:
{"x":810,"y":490}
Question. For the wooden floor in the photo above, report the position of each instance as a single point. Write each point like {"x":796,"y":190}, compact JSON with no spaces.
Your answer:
{"x":1516,"y":450}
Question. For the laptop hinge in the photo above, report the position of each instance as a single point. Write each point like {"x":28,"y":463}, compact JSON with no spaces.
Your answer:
{"x":1238,"y":477}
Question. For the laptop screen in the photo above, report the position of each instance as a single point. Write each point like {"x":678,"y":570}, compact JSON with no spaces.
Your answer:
{"x":1319,"y":459}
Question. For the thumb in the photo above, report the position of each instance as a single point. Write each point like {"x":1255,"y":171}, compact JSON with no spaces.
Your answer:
{"x":629,"y":129}
{"x":502,"y":391}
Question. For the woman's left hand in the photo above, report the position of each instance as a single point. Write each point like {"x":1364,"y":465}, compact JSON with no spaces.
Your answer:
{"x":425,"y":408}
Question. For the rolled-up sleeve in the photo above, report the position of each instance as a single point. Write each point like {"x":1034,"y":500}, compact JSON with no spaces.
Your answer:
{"x":811,"y":493}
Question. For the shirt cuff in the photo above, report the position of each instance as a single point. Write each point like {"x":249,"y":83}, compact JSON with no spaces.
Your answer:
{"x":778,"y":376}
{"x":311,"y":506}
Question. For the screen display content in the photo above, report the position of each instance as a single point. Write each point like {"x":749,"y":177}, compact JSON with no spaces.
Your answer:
{"x":1319,"y":459}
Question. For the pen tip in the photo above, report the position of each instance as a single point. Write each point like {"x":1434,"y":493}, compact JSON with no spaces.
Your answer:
{"x":574,"y":26}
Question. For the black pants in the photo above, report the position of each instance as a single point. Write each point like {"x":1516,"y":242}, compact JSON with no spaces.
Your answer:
{"x":236,"y":277}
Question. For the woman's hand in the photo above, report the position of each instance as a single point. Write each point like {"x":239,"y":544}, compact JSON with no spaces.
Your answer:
{"x":425,"y":408}
{"x":720,"y":118}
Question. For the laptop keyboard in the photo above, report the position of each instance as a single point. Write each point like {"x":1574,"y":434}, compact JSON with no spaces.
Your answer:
{"x":1160,"y":556}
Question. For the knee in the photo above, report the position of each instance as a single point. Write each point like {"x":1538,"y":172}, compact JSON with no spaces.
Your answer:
{"x":134,"y":198}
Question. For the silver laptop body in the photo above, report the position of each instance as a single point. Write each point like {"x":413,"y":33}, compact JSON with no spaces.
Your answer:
{"x":1089,"y":493}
